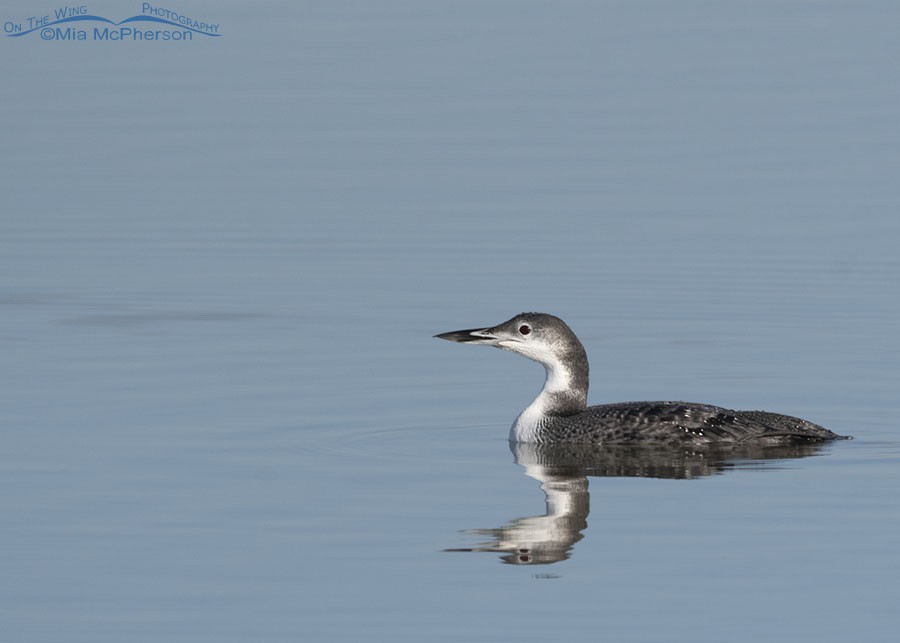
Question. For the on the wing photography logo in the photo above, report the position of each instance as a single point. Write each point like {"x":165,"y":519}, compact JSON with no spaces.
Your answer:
{"x":77,"y":23}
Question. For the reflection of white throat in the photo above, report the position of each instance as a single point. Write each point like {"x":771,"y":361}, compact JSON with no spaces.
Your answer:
{"x":556,"y":525}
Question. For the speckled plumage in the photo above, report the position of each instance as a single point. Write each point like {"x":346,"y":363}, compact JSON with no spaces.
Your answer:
{"x":677,"y":423}
{"x":560,"y":415}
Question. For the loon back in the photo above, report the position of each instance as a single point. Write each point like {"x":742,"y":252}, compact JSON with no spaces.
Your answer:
{"x":675,"y":423}
{"x":559,"y":414}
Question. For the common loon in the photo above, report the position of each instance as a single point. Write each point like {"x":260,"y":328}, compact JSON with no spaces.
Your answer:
{"x":560,"y":414}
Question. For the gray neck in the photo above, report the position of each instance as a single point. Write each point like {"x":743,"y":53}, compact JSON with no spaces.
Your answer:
{"x":564,"y":393}
{"x":566,"y":388}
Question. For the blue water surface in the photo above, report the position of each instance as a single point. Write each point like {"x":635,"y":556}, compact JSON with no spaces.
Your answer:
{"x":222,"y":262}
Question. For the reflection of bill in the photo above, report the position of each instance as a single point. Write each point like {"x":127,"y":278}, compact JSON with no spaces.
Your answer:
{"x":563,"y":472}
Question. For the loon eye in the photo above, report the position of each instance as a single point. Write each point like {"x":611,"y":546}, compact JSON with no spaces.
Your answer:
{"x":524,"y":329}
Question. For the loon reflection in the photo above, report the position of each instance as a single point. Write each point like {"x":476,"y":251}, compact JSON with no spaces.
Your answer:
{"x":563,"y":472}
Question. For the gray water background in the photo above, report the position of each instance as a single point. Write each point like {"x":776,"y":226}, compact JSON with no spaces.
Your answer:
{"x":221,"y":264}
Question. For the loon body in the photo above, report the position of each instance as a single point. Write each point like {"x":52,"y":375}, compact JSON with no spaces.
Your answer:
{"x":560,"y":414}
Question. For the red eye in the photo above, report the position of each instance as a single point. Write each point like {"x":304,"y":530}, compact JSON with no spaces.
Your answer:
{"x":524,"y":329}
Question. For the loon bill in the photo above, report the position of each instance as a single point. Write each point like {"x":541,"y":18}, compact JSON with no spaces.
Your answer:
{"x":560,"y":414}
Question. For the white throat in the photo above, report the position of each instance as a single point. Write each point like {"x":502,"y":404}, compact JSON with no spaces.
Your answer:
{"x":527,"y":426}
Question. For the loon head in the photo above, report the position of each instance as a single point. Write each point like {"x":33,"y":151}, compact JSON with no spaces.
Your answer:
{"x":538,"y":336}
{"x":543,"y":338}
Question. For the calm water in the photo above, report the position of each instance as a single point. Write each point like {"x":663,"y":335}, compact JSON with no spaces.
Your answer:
{"x":222,"y":262}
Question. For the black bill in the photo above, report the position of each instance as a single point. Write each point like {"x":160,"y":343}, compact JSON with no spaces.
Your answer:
{"x":471,"y":336}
